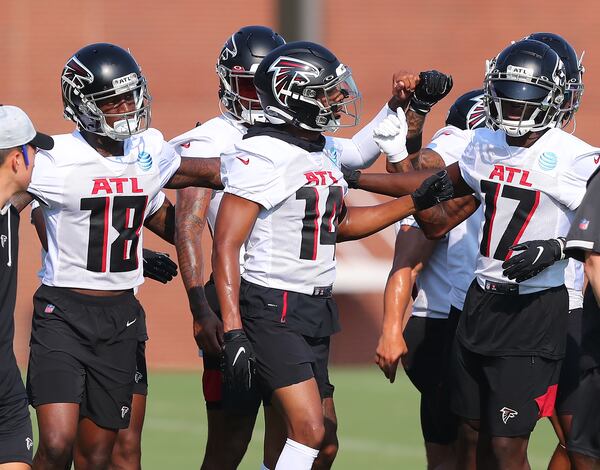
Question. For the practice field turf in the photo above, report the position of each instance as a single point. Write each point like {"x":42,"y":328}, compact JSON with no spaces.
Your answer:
{"x":378,"y":424}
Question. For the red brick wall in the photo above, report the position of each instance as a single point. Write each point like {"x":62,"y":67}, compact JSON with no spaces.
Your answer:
{"x":177,"y":42}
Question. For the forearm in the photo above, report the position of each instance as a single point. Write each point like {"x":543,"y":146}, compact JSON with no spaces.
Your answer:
{"x":190,"y":220}
{"x":592,"y":272}
{"x":395,"y":185}
{"x":201,"y":172}
{"x":361,"y":222}
{"x":162,"y":222}
{"x":439,"y":220}
{"x":226,"y":271}
{"x":396,"y":300}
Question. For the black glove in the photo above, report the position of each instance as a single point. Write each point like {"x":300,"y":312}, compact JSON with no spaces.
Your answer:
{"x":238,"y":362}
{"x":536,"y":256}
{"x":351,"y":177}
{"x":158,"y":266}
{"x":432,"y":87}
{"x":433,"y":190}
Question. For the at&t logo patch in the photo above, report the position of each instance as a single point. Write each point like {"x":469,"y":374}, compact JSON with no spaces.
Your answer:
{"x":144,"y":160}
{"x":548,"y":161}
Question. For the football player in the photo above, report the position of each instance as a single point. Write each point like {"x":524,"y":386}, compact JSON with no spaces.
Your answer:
{"x":127,"y":452}
{"x":284,"y":200}
{"x":507,"y":170}
{"x":98,"y":187}
{"x":19,"y":143}
{"x":423,"y":344}
{"x":228,"y":436}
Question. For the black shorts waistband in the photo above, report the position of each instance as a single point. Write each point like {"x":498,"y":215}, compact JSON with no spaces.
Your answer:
{"x":503,"y":288}
{"x":85,"y":298}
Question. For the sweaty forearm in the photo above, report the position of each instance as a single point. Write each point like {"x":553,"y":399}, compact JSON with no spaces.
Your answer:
{"x":361,"y":222}
{"x":162,"y":222}
{"x":439,"y":220}
{"x":201,"y":172}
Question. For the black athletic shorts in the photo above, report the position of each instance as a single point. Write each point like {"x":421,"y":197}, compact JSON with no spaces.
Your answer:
{"x":508,"y":394}
{"x":424,"y":365}
{"x":584,"y":437}
{"x":571,"y":372}
{"x":285,"y":356}
{"x":16,"y":435}
{"x":83,"y":350}
{"x":140,"y":386}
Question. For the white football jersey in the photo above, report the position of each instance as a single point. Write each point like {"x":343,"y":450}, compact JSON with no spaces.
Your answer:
{"x":526,"y":194}
{"x":292,"y":243}
{"x":450,"y":143}
{"x":433,"y":283}
{"x":95,"y":206}
{"x":574,"y":283}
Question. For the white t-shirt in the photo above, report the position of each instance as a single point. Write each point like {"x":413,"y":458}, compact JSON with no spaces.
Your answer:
{"x":95,"y":206}
{"x":526,"y":194}
{"x":433,"y":283}
{"x":292,"y":244}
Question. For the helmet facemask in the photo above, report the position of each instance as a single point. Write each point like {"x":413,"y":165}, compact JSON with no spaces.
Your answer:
{"x":573,"y":94}
{"x":518,"y":102}
{"x":90,"y":117}
{"x":238,"y":95}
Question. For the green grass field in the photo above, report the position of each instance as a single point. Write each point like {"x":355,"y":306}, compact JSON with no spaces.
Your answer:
{"x":378,"y":424}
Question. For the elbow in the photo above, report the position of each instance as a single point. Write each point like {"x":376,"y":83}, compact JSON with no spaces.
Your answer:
{"x":435,"y":234}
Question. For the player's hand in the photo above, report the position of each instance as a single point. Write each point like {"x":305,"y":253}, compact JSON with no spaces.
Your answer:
{"x":158,"y":266}
{"x":535,"y":256}
{"x":208,"y":333}
{"x":433,"y":190}
{"x":403,"y":87}
{"x":390,"y":349}
{"x":390,"y":136}
{"x":351,"y":176}
{"x":432,"y":87}
{"x":238,"y":362}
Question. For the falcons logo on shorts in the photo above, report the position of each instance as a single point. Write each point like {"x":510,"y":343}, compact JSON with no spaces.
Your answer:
{"x":476,"y":115}
{"x":290,"y":72}
{"x":507,"y":413}
{"x":77,"y":74}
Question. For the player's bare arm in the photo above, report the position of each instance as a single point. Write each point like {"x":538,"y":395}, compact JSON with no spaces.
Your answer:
{"x":204,"y":172}
{"x":360,"y":222}
{"x":439,"y":220}
{"x":162,"y":222}
{"x":37,"y":218}
{"x":190,"y":221}
{"x":412,"y":251}
{"x":234,"y":222}
{"x":592,"y":271}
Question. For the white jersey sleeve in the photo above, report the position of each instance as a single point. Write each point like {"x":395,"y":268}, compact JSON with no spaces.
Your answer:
{"x":47,"y":180}
{"x":168,"y":159}
{"x":572,"y":183}
{"x":360,"y":151}
{"x":450,"y":143}
{"x":155,"y":203}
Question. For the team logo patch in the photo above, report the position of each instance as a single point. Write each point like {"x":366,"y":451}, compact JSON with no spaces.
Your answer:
{"x":49,"y":308}
{"x":548,"y":161}
{"x":29,"y":443}
{"x":290,"y":72}
{"x":476,"y":115}
{"x":144,"y":161}
{"x":124,"y":411}
{"x":332,"y":153}
{"x":584,"y":224}
{"x":3,"y":239}
{"x":77,"y":74}
{"x":138,"y":376}
{"x":507,"y":413}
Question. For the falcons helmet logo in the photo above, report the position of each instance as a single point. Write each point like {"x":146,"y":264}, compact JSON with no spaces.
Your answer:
{"x":77,"y":74}
{"x":507,"y":413}
{"x":476,"y":114}
{"x":290,"y":72}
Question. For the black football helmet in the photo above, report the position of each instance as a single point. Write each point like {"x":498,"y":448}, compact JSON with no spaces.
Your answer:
{"x":573,"y":68}
{"x":238,"y":60}
{"x":304,"y":84}
{"x":100,"y":72}
{"x":524,"y":88}
{"x":468,"y":111}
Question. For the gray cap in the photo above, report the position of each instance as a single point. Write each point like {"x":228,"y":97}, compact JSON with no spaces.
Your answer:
{"x":17,"y":129}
